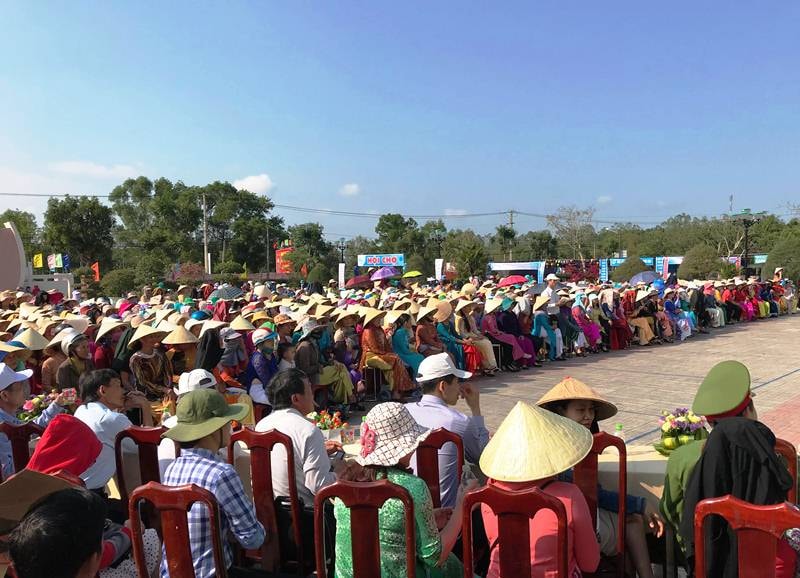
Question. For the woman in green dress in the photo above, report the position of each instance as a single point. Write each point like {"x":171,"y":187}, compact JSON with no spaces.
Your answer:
{"x":389,"y":437}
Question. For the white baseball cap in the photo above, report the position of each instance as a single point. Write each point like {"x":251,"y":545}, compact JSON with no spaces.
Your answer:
{"x":439,"y":366}
{"x":195,"y":379}
{"x":552,"y":277}
{"x":8,"y":376}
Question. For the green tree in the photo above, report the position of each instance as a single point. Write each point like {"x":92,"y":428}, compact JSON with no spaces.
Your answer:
{"x":151,"y":268}
{"x":311,"y":248}
{"x":700,"y":262}
{"x":229,"y":268}
{"x":630,"y":267}
{"x":505,"y":238}
{"x":26,"y":227}
{"x":81,"y":227}
{"x":468,"y":251}
{"x":786,"y":254}
{"x":418,"y":263}
{"x":536,"y":245}
{"x":394,"y":233}
{"x":319,"y":273}
{"x":118,"y":282}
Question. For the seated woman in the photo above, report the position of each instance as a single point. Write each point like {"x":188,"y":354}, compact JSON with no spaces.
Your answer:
{"x":599,"y":318}
{"x":389,"y":437}
{"x":376,"y":351}
{"x":578,"y":402}
{"x":492,"y":331}
{"x":463,"y":351}
{"x":428,"y":342}
{"x":632,"y":309}
{"x":590,"y":329}
{"x":572,"y":332}
{"x":529,"y":450}
{"x":542,"y":328}
{"x":182,"y":350}
{"x":262,"y":366}
{"x":467,"y":329}
{"x":401,"y":340}
{"x":508,"y":323}
{"x":621,"y":334}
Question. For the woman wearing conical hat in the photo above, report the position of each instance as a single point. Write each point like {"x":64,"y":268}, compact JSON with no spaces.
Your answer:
{"x":529,"y":450}
{"x":574,"y":400}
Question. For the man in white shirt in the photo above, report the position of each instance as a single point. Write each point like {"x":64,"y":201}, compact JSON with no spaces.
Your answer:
{"x":441,"y":389}
{"x":292,"y":399}
{"x":103,"y":401}
{"x":550,"y":291}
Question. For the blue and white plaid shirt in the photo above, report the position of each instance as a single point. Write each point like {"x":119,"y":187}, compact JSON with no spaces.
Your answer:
{"x":207,"y":470}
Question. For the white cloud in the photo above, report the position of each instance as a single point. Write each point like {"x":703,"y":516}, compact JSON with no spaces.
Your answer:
{"x":94,"y":170}
{"x":455,"y":212}
{"x":604,"y":199}
{"x":350,"y":190}
{"x":259,"y":184}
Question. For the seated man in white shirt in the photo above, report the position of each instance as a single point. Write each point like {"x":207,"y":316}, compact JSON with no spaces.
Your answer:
{"x":103,"y":401}
{"x":292,"y":399}
{"x":441,"y":389}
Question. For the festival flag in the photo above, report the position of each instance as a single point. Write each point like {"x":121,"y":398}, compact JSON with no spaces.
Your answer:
{"x":304,"y":271}
{"x":38,"y":261}
{"x":51,"y":262}
{"x":66,"y":262}
{"x":96,"y":269}
{"x":59,"y":260}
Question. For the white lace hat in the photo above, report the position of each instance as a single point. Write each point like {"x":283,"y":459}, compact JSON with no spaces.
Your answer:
{"x":389,"y":433}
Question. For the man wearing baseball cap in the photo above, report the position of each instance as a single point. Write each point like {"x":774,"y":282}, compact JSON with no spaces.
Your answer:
{"x":12,"y":396}
{"x":441,"y":386}
{"x":202,"y":429}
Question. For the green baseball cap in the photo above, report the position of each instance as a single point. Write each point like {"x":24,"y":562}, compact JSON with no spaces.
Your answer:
{"x":202,"y":412}
{"x":725,"y":387}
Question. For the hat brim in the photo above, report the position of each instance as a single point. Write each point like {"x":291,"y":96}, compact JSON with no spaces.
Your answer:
{"x":392,"y":450}
{"x":185,"y":432}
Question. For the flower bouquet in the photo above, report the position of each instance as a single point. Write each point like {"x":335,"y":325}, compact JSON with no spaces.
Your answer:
{"x":331,"y":424}
{"x":678,"y":428}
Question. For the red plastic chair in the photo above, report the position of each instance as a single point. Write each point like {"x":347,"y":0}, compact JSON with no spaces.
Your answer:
{"x":173,"y":504}
{"x":20,"y":438}
{"x":364,"y":499}
{"x":146,"y":440}
{"x":585,"y":477}
{"x":260,"y":445}
{"x":428,"y":460}
{"x":514,"y":511}
{"x":789,"y":453}
{"x":757,"y":528}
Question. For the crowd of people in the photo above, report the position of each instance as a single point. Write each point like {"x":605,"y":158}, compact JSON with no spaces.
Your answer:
{"x":268,"y":356}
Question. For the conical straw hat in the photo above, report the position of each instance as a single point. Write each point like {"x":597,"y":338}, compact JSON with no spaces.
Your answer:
{"x":242,"y":324}
{"x":426,"y":310}
{"x":106,"y":326}
{"x":32,"y":340}
{"x":532,"y":444}
{"x":370,"y":314}
{"x":571,"y":388}
{"x":143,"y":331}
{"x":492,"y":305}
{"x":541,"y":301}
{"x":180,"y":336}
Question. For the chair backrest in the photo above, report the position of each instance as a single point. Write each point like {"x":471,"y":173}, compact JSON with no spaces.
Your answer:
{"x":147,"y":440}
{"x":757,"y":528}
{"x":514,"y":511}
{"x":428,"y":460}
{"x":363,"y":500}
{"x":20,"y":437}
{"x":260,"y":445}
{"x":173,"y":504}
{"x":789,"y":452}
{"x":585,"y":477}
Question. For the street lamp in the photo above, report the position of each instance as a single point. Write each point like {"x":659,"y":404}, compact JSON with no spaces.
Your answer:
{"x":747,"y":219}
{"x":341,"y":248}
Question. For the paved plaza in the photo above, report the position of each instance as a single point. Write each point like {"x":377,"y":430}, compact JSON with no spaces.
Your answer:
{"x":643,"y":381}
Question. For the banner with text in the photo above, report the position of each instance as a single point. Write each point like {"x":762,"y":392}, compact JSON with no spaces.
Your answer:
{"x":385,"y":260}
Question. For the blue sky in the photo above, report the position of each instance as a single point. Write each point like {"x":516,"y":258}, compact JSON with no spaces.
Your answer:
{"x":641,"y":109}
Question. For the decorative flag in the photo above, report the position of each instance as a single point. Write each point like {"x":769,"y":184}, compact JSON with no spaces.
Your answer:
{"x":96,"y":269}
{"x":51,"y":261}
{"x":304,"y":271}
{"x":66,"y":262}
{"x":38,"y":261}
{"x":59,"y":260}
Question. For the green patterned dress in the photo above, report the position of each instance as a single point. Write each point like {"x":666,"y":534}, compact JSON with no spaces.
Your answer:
{"x":392,"y":535}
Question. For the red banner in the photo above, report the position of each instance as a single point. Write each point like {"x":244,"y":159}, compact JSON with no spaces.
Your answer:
{"x":96,"y":269}
{"x":282,"y":264}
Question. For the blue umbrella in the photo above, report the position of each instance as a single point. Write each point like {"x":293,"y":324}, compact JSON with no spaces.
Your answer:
{"x":645,"y":277}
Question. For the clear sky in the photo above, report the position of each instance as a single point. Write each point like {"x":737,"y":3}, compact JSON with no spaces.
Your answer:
{"x":642,"y":109}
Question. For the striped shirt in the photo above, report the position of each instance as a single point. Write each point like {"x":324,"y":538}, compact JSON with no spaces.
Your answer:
{"x":207,"y":470}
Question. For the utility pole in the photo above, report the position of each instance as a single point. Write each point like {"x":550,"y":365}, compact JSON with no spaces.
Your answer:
{"x":511,"y":226}
{"x":205,"y":236}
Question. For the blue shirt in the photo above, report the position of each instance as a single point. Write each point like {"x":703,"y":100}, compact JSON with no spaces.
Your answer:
{"x":432,"y":412}
{"x":6,"y":454}
{"x":237,"y":512}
